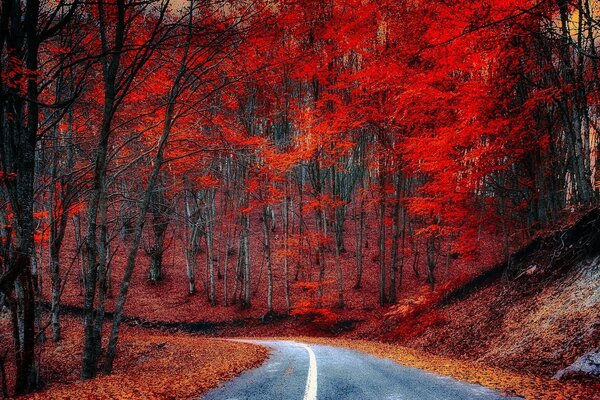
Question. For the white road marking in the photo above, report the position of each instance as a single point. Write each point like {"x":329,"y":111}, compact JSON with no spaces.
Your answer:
{"x":310,"y":392}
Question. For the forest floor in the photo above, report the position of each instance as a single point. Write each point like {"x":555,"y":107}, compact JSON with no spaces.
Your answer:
{"x":150,"y":365}
{"x":168,"y":299}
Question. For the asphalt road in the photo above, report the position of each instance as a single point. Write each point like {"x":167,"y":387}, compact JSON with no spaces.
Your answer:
{"x":309,"y":372}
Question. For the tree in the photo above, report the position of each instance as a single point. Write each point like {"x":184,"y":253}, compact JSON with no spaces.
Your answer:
{"x":24,"y":28}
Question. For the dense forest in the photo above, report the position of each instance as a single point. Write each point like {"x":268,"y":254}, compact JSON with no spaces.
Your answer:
{"x":295,"y":135}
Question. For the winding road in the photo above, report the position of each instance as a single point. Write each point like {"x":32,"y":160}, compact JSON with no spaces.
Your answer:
{"x":299,"y":371}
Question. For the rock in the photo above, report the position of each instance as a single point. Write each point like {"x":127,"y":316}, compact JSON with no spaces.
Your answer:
{"x":586,"y":366}
{"x":531,"y":270}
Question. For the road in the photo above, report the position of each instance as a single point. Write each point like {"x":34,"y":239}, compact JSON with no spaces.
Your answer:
{"x":310,"y":372}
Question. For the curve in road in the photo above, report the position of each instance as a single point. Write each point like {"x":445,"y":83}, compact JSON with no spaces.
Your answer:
{"x":298,"y":371}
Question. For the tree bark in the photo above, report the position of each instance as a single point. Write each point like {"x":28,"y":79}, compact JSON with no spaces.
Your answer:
{"x":267,"y":253}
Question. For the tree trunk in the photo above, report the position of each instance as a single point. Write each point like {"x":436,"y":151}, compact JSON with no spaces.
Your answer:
{"x":382,"y":266}
{"x":3,"y":379}
{"x":131,"y":259}
{"x":431,"y":262}
{"x":191,"y":250}
{"x":393,"y":296}
{"x":159,"y":227}
{"x":246,"y":260}
{"x":571,"y":113}
{"x":286,"y":235}
{"x":26,"y":377}
{"x":160,"y":223}
{"x":111,"y":63}
{"x":210,"y":216}
{"x":359,"y":242}
{"x":168,"y":122}
{"x":267,"y":253}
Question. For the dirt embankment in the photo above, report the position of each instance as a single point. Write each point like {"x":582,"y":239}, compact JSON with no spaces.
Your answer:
{"x":535,"y":315}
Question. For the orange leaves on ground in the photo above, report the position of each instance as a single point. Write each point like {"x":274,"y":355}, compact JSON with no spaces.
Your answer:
{"x":307,"y":286}
{"x":322,"y":318}
{"x":413,"y":315}
{"x":162,"y":367}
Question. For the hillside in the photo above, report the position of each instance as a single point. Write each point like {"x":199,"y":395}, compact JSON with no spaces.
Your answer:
{"x":537,"y":316}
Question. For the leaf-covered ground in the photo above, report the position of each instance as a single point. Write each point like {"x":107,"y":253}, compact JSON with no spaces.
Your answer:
{"x":541,"y":328}
{"x":168,"y":300}
{"x":150,"y":365}
{"x":538,"y":322}
{"x":528,"y":386}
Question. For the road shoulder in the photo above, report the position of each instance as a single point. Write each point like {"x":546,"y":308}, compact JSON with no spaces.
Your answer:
{"x":508,"y":382}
